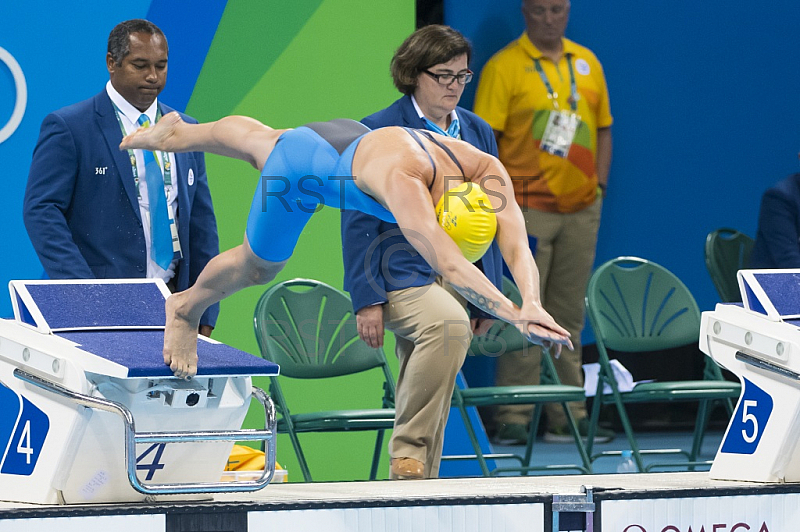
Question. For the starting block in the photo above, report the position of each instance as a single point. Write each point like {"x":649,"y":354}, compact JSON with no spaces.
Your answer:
{"x":90,"y":412}
{"x":759,"y":341}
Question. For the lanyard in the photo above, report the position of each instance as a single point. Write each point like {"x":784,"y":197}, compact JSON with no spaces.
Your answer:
{"x":553,"y":95}
{"x":164,"y":163}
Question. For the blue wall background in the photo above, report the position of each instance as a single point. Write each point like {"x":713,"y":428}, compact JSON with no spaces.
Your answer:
{"x":706,"y":115}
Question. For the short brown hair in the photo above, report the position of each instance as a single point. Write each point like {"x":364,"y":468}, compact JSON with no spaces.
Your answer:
{"x":428,"y":46}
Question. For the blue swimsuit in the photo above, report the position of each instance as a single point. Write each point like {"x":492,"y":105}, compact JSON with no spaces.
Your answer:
{"x":310,"y":166}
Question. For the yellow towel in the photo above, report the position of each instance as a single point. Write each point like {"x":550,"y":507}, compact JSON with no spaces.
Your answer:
{"x":245,"y":458}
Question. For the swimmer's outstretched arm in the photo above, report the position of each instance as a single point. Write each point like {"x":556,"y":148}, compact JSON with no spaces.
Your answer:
{"x":512,"y":238}
{"x":239,"y":137}
{"x":228,"y":272}
{"x":410,"y":202}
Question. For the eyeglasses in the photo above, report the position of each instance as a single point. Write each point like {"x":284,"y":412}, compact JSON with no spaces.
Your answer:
{"x":446,"y":79}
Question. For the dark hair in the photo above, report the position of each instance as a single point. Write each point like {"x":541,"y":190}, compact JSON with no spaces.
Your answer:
{"x":424,"y":48}
{"x":119,"y":40}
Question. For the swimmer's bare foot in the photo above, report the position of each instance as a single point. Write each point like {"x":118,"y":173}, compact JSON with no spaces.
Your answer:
{"x":157,"y":137}
{"x":180,"y":339}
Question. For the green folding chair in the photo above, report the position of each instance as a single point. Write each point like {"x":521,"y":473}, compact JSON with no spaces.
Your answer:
{"x":727,"y":251}
{"x":637,"y":306}
{"x":504,"y":337}
{"x":308,"y":328}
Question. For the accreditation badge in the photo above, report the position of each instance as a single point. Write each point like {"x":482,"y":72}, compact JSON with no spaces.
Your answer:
{"x":560,"y":132}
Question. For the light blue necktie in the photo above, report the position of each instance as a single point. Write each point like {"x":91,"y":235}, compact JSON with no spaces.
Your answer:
{"x":160,"y":234}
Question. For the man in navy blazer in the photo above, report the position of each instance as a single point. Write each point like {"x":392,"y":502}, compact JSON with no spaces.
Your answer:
{"x":777,"y":242}
{"x":392,"y":286}
{"x":83,"y":210}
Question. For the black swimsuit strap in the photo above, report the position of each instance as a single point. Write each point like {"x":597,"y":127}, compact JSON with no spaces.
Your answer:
{"x":413,"y":134}
{"x":430,"y":137}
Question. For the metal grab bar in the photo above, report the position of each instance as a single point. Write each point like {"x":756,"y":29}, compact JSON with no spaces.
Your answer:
{"x":132,"y":438}
{"x":766,"y":365}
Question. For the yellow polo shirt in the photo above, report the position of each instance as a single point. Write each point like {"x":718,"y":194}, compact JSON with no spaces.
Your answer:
{"x":512,"y":98}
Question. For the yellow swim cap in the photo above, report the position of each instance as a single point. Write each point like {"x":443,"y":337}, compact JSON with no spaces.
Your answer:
{"x":465,"y":213}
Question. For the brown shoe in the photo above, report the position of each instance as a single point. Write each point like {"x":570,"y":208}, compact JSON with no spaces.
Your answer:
{"x":407,"y":469}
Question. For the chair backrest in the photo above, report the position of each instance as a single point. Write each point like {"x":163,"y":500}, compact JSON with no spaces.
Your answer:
{"x":727,"y":251}
{"x":502,"y":337}
{"x":635,"y":305}
{"x":308,"y":328}
{"x":511,"y":291}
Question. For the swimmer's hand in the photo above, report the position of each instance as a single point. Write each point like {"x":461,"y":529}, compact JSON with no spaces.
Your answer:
{"x":158,"y":137}
{"x":540,"y":328}
{"x":547,"y":338}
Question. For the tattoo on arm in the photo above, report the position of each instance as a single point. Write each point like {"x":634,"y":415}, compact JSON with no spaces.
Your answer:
{"x":480,"y":301}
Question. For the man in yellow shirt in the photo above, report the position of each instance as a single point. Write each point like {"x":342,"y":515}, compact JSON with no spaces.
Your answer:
{"x":547,"y":101}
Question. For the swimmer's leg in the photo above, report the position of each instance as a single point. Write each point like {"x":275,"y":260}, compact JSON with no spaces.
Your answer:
{"x":239,"y":137}
{"x":225,"y":274}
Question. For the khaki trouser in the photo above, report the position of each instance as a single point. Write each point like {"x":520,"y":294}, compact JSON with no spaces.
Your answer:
{"x":433,"y":333}
{"x":565,"y":250}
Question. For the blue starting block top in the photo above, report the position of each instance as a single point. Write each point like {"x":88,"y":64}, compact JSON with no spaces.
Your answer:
{"x":774,"y":293}
{"x":140,"y":352}
{"x":121,"y":321}
{"x":100,"y":306}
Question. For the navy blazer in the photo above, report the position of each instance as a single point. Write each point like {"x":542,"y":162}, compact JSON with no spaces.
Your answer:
{"x":377,"y":257}
{"x":81,"y":209}
{"x":777,"y":242}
